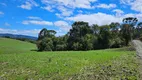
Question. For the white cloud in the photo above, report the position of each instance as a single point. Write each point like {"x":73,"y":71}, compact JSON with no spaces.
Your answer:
{"x":118,"y":12}
{"x":29,"y":4}
{"x":7,"y":24}
{"x":48,"y":8}
{"x":64,"y":11}
{"x":127,"y":2}
{"x":34,"y":18}
{"x":37,"y":22}
{"x":70,"y":3}
{"x":58,"y":15}
{"x":96,"y":18}
{"x":3,"y":4}
{"x":106,"y":6}
{"x":61,"y":23}
{"x":33,"y":32}
{"x":66,"y":7}
{"x":1,"y":13}
{"x":64,"y":26}
{"x":80,"y":11}
{"x":136,"y":5}
{"x":101,"y":18}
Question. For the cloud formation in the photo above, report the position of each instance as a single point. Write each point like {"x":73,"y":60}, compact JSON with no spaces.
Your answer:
{"x":66,"y":7}
{"x":106,"y":6}
{"x":29,"y":4}
{"x":63,"y":25}
{"x":101,"y":18}
{"x":136,"y":5}
{"x":37,"y":22}
{"x":118,"y":12}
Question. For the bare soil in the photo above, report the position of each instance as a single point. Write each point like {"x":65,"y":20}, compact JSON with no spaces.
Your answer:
{"x":138,"y":46}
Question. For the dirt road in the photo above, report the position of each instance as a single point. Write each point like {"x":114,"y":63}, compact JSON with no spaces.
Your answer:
{"x":138,"y":46}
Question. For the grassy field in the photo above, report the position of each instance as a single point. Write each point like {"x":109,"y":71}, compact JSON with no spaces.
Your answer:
{"x":15,"y":46}
{"x":18,"y":61}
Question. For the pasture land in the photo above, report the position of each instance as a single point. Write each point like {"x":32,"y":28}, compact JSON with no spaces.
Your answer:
{"x":19,"y":61}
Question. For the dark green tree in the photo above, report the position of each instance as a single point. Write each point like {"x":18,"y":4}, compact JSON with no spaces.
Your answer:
{"x":104,"y":37}
{"x":95,"y":29}
{"x":138,"y":31}
{"x":76,"y":35}
{"x":45,"y":40}
{"x":115,"y":39}
{"x":127,"y":29}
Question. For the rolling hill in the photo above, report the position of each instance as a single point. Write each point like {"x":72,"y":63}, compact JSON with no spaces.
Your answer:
{"x":15,"y":46}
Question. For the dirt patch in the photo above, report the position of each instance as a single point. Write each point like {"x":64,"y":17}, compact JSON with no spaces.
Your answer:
{"x":138,"y":46}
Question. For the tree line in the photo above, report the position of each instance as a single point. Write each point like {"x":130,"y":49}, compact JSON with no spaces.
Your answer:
{"x":85,"y":37}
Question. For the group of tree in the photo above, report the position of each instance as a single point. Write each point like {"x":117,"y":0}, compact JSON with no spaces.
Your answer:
{"x":82,"y":36}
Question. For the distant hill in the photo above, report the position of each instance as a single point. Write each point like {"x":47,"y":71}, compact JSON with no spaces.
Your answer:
{"x":18,"y":36}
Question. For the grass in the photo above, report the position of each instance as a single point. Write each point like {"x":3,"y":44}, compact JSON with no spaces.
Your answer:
{"x":15,"y":46}
{"x":18,"y":62}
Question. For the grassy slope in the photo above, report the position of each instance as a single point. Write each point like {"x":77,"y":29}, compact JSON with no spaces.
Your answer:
{"x":15,"y":46}
{"x":113,"y":63}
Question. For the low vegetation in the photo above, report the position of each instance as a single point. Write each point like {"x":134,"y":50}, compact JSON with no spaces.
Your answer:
{"x":21,"y":63}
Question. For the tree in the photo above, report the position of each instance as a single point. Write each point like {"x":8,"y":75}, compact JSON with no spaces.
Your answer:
{"x":46,"y":33}
{"x":127,"y":29}
{"x":45,"y":40}
{"x":87,"y":42}
{"x":115,"y":39}
{"x":60,"y":44}
{"x":85,"y":37}
{"x":76,"y":34}
{"x":95,"y":29}
{"x":43,"y":33}
{"x":131,"y":21}
{"x":139,"y":30}
{"x":139,"y":25}
{"x":45,"y":44}
{"x":104,"y":37}
{"x":114,"y":27}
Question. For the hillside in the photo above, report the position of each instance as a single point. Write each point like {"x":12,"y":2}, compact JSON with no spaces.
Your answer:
{"x":15,"y":46}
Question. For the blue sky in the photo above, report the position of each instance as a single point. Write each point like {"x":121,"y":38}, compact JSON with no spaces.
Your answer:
{"x":28,"y":17}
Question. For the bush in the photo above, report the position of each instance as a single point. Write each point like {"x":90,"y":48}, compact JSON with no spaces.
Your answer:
{"x":61,"y":47}
{"x":45,"y":44}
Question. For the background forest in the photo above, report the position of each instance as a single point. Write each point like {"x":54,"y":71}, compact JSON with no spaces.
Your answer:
{"x":85,"y":37}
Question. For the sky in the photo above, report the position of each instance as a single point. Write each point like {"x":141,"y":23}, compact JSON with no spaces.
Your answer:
{"x":28,"y":17}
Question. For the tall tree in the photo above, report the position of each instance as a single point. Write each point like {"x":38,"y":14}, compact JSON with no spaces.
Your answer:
{"x":45,"y":40}
{"x":138,"y":30}
{"x":128,"y":28}
{"x":115,"y":39}
{"x":76,"y":34}
{"x":104,"y":37}
{"x":139,"y":27}
{"x":42,"y":34}
{"x":95,"y":29}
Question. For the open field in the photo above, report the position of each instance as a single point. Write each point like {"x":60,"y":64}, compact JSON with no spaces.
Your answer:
{"x":18,"y":61}
{"x":15,"y":46}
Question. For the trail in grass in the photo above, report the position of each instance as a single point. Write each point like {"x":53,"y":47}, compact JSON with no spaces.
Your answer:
{"x":138,"y":46}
